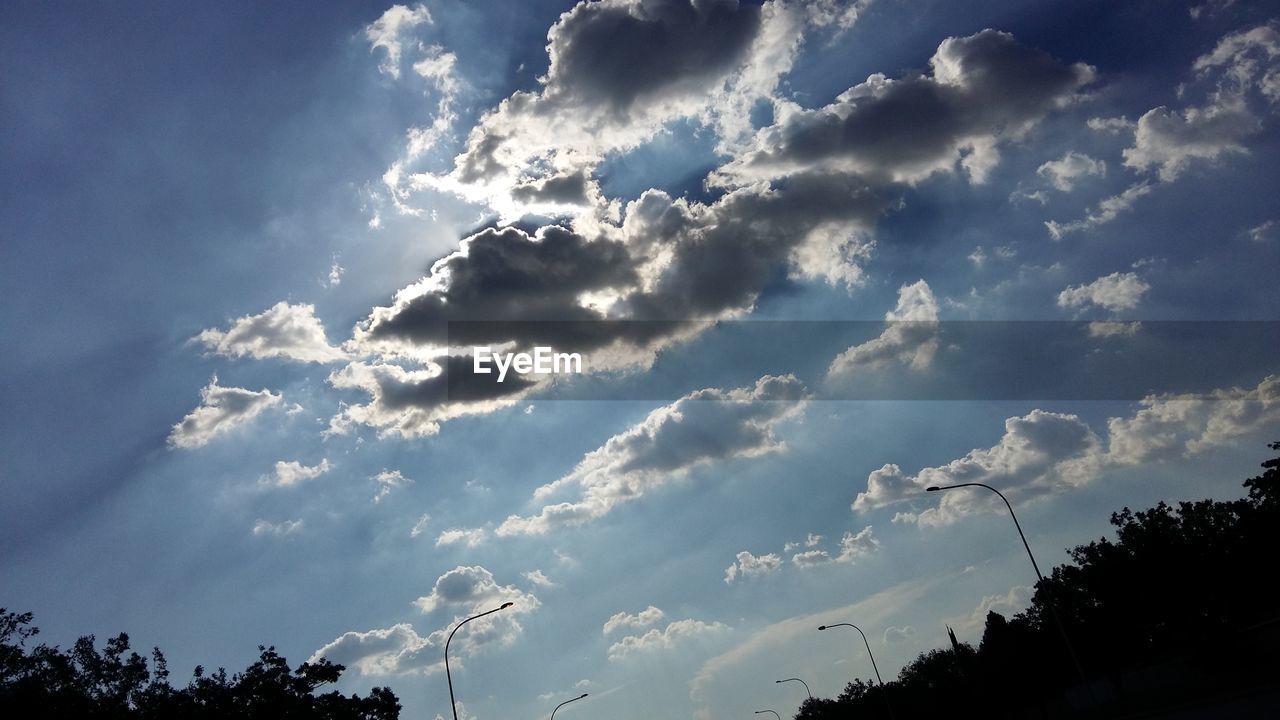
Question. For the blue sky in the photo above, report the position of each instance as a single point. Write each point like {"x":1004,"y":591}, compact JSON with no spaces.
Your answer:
{"x":233,"y":237}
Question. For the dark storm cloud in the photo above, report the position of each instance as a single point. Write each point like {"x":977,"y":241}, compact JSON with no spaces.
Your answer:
{"x":983,"y":88}
{"x":616,"y":54}
{"x":567,"y":189}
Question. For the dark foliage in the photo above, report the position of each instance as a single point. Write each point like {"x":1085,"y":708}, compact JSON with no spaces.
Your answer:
{"x":83,"y":682}
{"x":1175,"y":611}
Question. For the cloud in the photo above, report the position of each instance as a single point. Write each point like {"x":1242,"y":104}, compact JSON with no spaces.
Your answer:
{"x":618,"y":73}
{"x":911,"y":338}
{"x":984,"y":89}
{"x":676,"y":633}
{"x":853,"y":547}
{"x":1170,"y":425}
{"x":220,"y":410}
{"x":1111,"y":328}
{"x":1010,"y":603}
{"x":420,"y":526}
{"x":1063,"y":173}
{"x":810,"y":541}
{"x":292,"y":472}
{"x":471,"y":538}
{"x":702,"y":427}
{"x":538,"y":578}
{"x":399,"y":649}
{"x":1115,"y":292}
{"x":1108,"y":209}
{"x":649,"y":616}
{"x":1045,"y":453}
{"x":1040,"y":453}
{"x":1263,"y":232}
{"x":388,"y":480}
{"x":286,"y":527}
{"x":291,"y":332}
{"x":385,"y":33}
{"x":748,"y":565}
{"x":899,"y":634}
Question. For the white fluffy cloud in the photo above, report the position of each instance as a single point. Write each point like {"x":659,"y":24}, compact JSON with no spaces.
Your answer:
{"x":468,"y":537}
{"x":1045,"y":453}
{"x":1040,"y":453}
{"x":911,"y":338}
{"x":673,"y":635}
{"x":284,"y":527}
{"x":1170,"y":425}
{"x":292,"y":472}
{"x":220,"y":410}
{"x":1115,"y":293}
{"x":291,"y":332}
{"x":1063,"y":173}
{"x":649,"y":616}
{"x":853,"y":547}
{"x":399,"y":649}
{"x":748,"y":565}
{"x":702,"y":427}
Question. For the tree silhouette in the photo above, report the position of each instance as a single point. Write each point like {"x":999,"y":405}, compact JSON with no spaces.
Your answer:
{"x":83,"y":682}
{"x":1176,"y":610}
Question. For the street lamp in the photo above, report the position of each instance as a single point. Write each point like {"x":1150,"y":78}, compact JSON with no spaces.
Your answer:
{"x":453,"y":705}
{"x":1066,"y":641}
{"x":805,"y":684}
{"x":566,"y":702}
{"x":883,"y":691}
{"x":775,"y":713}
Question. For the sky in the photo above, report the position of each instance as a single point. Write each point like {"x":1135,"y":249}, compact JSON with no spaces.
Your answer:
{"x":816,"y":256}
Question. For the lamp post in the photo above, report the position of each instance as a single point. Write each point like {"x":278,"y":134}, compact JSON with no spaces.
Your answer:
{"x":805,"y":684}
{"x":453,"y":705}
{"x":1057,"y":621}
{"x":775,"y":713}
{"x":566,"y":702}
{"x":888,"y":706}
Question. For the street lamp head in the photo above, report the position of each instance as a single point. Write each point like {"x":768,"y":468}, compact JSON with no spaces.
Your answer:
{"x":932,"y":488}
{"x":582,"y":696}
{"x":506,"y":605}
{"x":822,"y":627}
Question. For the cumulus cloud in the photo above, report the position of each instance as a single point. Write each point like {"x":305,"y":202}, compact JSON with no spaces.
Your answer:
{"x":619,"y":72}
{"x":385,"y":33}
{"x":456,"y":536}
{"x":396,"y":650}
{"x":649,"y":616}
{"x":220,"y":410}
{"x":1063,"y":173}
{"x":1010,"y":603}
{"x":1169,"y":140}
{"x":748,"y":565}
{"x":399,"y":649}
{"x":1045,"y":453}
{"x":1040,"y":453}
{"x":1167,"y":426}
{"x":853,"y":547}
{"x":291,"y":332}
{"x":1112,"y":328}
{"x":675,"y":634}
{"x":984,"y":89}
{"x":292,"y":472}
{"x":538,"y":578}
{"x":702,"y":427}
{"x":1166,"y":141}
{"x":911,"y":338}
{"x":1115,"y":293}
